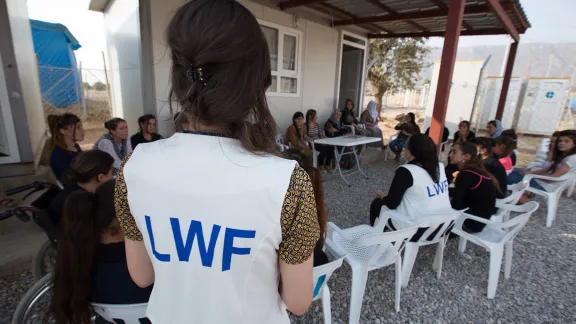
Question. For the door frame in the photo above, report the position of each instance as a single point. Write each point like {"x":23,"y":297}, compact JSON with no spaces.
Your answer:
{"x":341,"y":44}
{"x":8,"y":121}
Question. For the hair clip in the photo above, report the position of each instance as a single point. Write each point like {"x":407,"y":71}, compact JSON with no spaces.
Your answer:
{"x":195,"y":74}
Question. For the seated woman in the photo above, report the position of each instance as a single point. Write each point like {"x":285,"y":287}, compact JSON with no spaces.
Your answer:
{"x":512,"y":134}
{"x":348,"y":118}
{"x":464,"y":134}
{"x":494,"y":129}
{"x":445,"y":134}
{"x":492,"y":164}
{"x":313,"y":131}
{"x":91,"y":264}
{"x":66,"y":131}
{"x":370,"y":119}
{"x":147,"y":131}
{"x":295,"y":135}
{"x":475,"y":188}
{"x":418,"y":188}
{"x":503,"y":148}
{"x":116,"y":142}
{"x":407,"y":127}
{"x":564,"y":162}
{"x":334,"y":126}
{"x":87,"y":172}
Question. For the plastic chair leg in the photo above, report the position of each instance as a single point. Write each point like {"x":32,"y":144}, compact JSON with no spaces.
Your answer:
{"x":398,"y":281}
{"x":508,"y":259}
{"x":570,"y":189}
{"x":438,"y":259}
{"x":552,"y":209}
{"x":494,"y":273}
{"x":410,"y":253}
{"x":326,"y":305}
{"x":359,"y":278}
{"x":462,"y":245}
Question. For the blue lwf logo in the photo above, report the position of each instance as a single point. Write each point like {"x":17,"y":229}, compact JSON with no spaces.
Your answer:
{"x":550,"y":94}
{"x":184,"y":247}
{"x":438,"y":188}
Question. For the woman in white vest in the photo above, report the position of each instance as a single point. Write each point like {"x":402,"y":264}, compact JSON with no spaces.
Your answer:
{"x":223,"y":228}
{"x":419,"y":188}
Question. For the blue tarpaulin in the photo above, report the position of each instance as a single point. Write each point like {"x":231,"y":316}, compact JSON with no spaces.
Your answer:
{"x":60,"y":81}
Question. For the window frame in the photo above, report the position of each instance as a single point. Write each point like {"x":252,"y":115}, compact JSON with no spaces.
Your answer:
{"x":280,"y":72}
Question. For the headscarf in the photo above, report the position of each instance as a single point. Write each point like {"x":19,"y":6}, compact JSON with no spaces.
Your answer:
{"x":337,"y":123}
{"x":372,"y":110}
{"x":499,"y":129}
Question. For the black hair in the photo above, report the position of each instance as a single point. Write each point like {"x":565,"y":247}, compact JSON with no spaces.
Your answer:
{"x":145,"y":119}
{"x":88,"y":165}
{"x":58,"y":122}
{"x":220,"y":70}
{"x":493,"y":122}
{"x":559,"y":156}
{"x":113,"y":123}
{"x":412,"y":117}
{"x":296,"y":115}
{"x":86,"y":216}
{"x":476,"y":161}
{"x":465,"y":122}
{"x":425,"y":154}
{"x":507,"y":141}
{"x":510,"y":133}
{"x":483,"y":142}
{"x":346,"y":104}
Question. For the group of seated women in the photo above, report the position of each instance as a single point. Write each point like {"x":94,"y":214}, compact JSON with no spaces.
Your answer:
{"x":305,"y":129}
{"x":67,"y":131}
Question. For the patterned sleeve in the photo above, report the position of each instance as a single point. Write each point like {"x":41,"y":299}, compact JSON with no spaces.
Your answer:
{"x":300,"y":227}
{"x":127,"y":222}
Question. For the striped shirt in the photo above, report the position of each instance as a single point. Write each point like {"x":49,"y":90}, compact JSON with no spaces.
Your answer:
{"x":314,"y":132}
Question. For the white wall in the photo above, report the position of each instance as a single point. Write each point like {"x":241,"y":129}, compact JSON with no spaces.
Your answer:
{"x":124,"y":60}
{"x":21,"y":71}
{"x":320,"y":48}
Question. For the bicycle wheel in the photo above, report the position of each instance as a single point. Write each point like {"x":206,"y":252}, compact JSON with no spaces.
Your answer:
{"x":44,"y":261}
{"x":35,"y":303}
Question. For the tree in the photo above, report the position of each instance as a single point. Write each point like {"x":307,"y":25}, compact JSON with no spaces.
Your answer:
{"x":86,"y":86}
{"x":99,"y":86}
{"x":397,"y":64}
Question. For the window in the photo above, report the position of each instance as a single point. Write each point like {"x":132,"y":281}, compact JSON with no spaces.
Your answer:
{"x":284,"y":47}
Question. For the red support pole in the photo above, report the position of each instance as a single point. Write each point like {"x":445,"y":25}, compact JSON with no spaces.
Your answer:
{"x":506,"y":81}
{"x":453,"y":28}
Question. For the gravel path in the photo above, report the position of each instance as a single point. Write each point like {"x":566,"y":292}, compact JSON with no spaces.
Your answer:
{"x":541,"y":288}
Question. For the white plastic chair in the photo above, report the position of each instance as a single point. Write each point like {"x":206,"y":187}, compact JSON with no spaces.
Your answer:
{"x":516,"y":192}
{"x":496,"y":237}
{"x":388,"y":149}
{"x":437,"y":224}
{"x":280,"y":142}
{"x":367,"y":249}
{"x":442,"y":150}
{"x":321,"y":275}
{"x":552,"y":197}
{"x":315,"y":154}
{"x":128,"y":314}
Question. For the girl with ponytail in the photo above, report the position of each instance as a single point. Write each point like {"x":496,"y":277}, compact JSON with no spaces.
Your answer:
{"x":475,"y":188}
{"x":66,"y":131}
{"x":91,"y":264}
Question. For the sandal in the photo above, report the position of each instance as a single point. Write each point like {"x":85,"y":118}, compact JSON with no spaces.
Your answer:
{"x":9,"y":203}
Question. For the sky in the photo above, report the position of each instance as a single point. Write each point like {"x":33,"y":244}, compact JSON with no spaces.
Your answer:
{"x":552,"y":21}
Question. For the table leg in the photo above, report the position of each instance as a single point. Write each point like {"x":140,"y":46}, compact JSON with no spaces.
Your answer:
{"x":358,"y":160}
{"x":337,"y":158}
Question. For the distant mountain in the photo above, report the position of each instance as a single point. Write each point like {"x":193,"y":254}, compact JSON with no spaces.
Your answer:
{"x":532,"y":60}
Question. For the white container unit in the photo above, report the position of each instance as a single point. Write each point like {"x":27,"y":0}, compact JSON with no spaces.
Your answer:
{"x":491,"y":97}
{"x":541,"y":105}
{"x":462,"y":92}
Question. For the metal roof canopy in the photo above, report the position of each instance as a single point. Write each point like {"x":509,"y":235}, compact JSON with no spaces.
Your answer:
{"x":429,"y":18}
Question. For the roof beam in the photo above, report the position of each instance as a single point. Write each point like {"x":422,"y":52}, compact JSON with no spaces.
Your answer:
{"x":442,"y":5}
{"x":495,"y":31}
{"x":496,"y":7}
{"x":346,"y":13}
{"x":296,"y":3}
{"x":436,"y":13}
{"x":391,"y":11}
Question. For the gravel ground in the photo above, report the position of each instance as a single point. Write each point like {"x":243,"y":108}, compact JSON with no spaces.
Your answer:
{"x":541,"y":288}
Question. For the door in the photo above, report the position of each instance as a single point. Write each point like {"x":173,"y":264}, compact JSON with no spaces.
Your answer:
{"x":8,"y":142}
{"x":548,"y":107}
{"x":352,"y":66}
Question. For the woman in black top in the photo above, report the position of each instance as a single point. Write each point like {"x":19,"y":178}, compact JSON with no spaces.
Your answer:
{"x":475,"y":188}
{"x":147,"y":131}
{"x":464,"y":134}
{"x":406,"y":128}
{"x":66,"y":131}
{"x":348,"y":118}
{"x":492,"y":164}
{"x":91,"y":264}
{"x":87,"y":172}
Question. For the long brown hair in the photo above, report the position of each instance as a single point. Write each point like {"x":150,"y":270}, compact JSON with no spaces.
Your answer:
{"x":322,"y":210}
{"x":220,"y":71}
{"x":310,"y":114}
{"x":87,"y":166}
{"x":58,"y":122}
{"x":476,"y":162}
{"x":559,"y":155}
{"x":86,"y":216}
{"x":508,"y":142}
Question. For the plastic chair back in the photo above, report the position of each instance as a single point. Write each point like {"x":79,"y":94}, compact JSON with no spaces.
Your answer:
{"x":517,"y":190}
{"x":437,"y":226}
{"x":322,"y":274}
{"x":122,"y":314}
{"x":389,"y":245}
{"x":514,"y":225}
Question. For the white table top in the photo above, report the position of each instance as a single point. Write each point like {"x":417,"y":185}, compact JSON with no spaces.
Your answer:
{"x":348,"y":140}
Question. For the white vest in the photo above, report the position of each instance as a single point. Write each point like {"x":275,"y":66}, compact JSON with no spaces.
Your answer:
{"x":425,"y":197}
{"x":188,"y":185}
